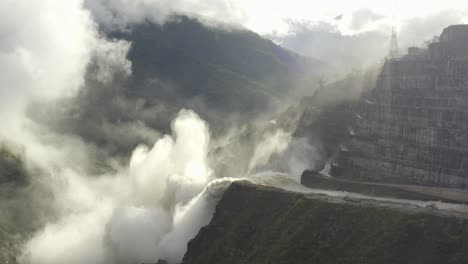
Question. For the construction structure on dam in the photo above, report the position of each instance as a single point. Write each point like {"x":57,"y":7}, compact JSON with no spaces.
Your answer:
{"x":413,"y":127}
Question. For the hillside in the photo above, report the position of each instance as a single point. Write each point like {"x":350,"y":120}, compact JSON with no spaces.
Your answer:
{"x":254,"y":224}
{"x":232,"y":70}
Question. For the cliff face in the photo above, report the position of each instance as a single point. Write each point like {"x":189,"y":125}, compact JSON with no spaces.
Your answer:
{"x":255,"y":224}
{"x":412,"y":128}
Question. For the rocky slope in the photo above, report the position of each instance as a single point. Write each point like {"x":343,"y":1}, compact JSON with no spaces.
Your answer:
{"x":255,"y":224}
{"x":325,"y":118}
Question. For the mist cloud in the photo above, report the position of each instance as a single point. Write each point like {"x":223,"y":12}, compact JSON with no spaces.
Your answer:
{"x":418,"y":30}
{"x":369,"y":41}
{"x":122,"y":218}
{"x":326,"y":42}
{"x":363,"y":17}
{"x":41,"y":55}
{"x":142,"y":213}
{"x":119,"y":14}
{"x":45,"y":49}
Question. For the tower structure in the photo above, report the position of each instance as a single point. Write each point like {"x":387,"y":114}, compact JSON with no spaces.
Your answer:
{"x":394,"y":50}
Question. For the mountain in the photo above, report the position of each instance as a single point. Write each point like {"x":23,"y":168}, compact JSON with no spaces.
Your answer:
{"x":224,"y":75}
{"x":232,"y":70}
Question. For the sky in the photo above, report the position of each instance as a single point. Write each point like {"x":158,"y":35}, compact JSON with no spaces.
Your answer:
{"x":358,"y":39}
{"x":267,"y":16}
{"x":350,"y":34}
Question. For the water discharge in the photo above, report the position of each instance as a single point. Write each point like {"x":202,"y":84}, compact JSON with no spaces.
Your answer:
{"x":146,"y":212}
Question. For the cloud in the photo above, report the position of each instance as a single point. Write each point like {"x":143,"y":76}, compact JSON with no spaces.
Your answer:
{"x":363,"y":17}
{"x":417,"y":30}
{"x":119,"y":14}
{"x":266,"y":16}
{"x":45,"y":50}
{"x":370,"y":45}
{"x":326,"y":42}
{"x":270,"y":144}
{"x":133,"y":234}
{"x":110,"y":59}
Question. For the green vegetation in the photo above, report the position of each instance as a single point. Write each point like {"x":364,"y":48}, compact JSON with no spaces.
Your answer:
{"x":9,"y":247}
{"x":233,"y":70}
{"x":12,"y":176}
{"x":11,"y":166}
{"x":260,"y":225}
